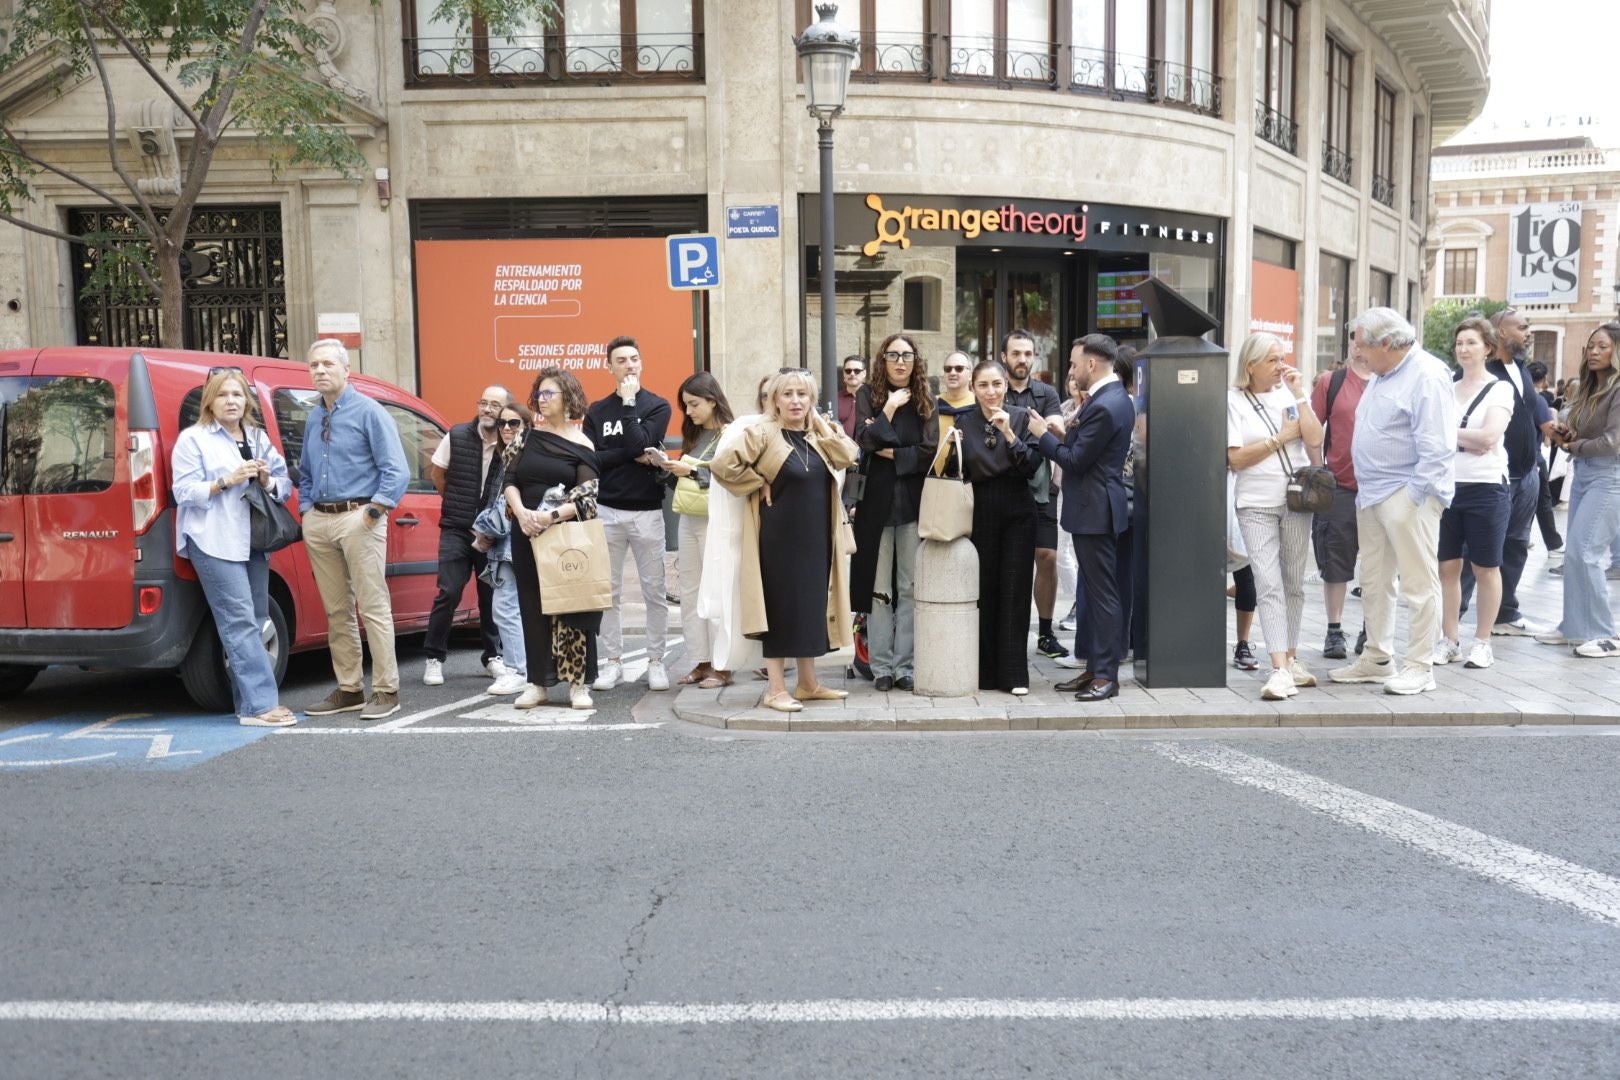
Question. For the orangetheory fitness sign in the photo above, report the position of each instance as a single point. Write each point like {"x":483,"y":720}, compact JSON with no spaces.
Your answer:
{"x":894,"y":226}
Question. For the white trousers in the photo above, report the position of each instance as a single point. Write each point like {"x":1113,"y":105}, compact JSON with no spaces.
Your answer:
{"x":639,"y":533}
{"x":691,"y":537}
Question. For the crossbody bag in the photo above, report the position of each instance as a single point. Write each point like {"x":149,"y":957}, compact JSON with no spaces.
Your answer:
{"x":1310,"y":489}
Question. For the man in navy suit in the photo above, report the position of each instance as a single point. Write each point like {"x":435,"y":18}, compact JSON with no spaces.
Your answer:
{"x":1092,"y":457}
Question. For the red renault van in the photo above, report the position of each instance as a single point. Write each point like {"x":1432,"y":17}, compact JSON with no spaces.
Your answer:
{"x":88,"y":572}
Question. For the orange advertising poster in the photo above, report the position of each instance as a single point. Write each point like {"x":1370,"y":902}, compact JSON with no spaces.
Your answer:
{"x":495,"y":312}
{"x":1274,"y":307}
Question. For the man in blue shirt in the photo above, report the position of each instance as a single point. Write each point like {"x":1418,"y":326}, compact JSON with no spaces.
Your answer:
{"x":351,"y":472}
{"x":1404,"y":451}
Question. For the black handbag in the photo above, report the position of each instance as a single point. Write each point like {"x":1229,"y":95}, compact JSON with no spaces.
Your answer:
{"x":1310,"y":489}
{"x":271,"y":526}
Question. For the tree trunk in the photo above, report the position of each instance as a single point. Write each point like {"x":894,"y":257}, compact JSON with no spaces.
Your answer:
{"x":171,"y":307}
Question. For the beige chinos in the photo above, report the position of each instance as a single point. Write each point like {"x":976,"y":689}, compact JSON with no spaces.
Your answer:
{"x":348,"y":554}
{"x":1400,"y":537}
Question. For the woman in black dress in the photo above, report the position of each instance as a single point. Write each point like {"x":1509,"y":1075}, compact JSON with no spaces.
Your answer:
{"x":794,"y":597}
{"x":554,"y":452}
{"x":894,"y":426}
{"x":1000,"y":461}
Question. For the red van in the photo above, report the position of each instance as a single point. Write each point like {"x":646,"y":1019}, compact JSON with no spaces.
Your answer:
{"x":88,"y":572}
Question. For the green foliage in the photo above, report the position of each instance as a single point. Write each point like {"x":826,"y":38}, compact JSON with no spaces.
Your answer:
{"x":1440,"y":322}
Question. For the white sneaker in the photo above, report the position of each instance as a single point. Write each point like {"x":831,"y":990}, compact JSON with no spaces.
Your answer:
{"x":1364,"y":670}
{"x":1599,"y":649}
{"x":1300,"y":673}
{"x":509,"y":683}
{"x":496,"y":668}
{"x":1019,"y":691}
{"x":1071,"y":662}
{"x":608,"y":676}
{"x":1279,"y":687}
{"x":1520,"y":627}
{"x":1412,"y":680}
{"x":1553,"y":637}
{"x":579,"y":697}
{"x":433,"y":673}
{"x":532,"y":697}
{"x":1480,"y":655}
{"x":1446,"y":652}
{"x":657,"y":677}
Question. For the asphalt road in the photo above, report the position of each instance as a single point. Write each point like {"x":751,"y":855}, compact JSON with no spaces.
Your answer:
{"x":466,"y":896}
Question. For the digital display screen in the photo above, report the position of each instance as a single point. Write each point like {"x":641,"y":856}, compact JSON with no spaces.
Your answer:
{"x":1117,"y":305}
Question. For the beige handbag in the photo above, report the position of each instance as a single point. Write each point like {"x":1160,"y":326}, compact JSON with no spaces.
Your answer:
{"x":946,"y":512}
{"x":571,"y":558}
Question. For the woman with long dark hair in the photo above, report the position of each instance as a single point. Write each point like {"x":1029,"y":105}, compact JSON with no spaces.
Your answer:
{"x":1000,"y":459}
{"x":553,"y":454}
{"x":704,"y":412}
{"x":894,"y":414}
{"x":492,"y":534}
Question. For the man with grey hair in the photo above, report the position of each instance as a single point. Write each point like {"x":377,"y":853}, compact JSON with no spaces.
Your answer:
{"x":351,"y":472}
{"x":1403,"y":449}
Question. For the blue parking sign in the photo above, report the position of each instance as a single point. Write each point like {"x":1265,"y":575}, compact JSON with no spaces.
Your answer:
{"x":694,"y":261}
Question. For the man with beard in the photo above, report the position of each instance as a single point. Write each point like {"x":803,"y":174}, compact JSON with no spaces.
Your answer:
{"x":1025,"y":392}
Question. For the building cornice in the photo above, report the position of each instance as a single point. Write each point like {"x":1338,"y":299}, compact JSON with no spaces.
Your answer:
{"x":1447,"y":42}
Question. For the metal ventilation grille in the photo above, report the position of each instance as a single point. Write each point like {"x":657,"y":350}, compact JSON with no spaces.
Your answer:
{"x":504,"y":219}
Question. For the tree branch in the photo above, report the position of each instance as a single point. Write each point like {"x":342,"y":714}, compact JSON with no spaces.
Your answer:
{"x":203,"y":146}
{"x":82,"y":241}
{"x":18,"y":152}
{"x":112,"y":121}
{"x":140,"y":58}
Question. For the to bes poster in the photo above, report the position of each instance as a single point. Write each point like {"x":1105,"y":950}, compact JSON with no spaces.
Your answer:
{"x":495,"y":312}
{"x":1544,"y":261}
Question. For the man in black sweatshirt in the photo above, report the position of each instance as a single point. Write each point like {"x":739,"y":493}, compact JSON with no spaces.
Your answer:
{"x":628,"y":428}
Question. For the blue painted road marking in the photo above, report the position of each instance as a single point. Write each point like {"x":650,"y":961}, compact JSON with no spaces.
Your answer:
{"x":123,"y":740}
{"x":694,"y":260}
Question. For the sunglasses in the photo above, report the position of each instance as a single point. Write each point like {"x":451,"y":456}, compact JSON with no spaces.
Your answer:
{"x":512,"y":424}
{"x":894,"y":357}
{"x":991,"y":441}
{"x":954,"y":369}
{"x":221,"y":370}
{"x":326,"y":427}
{"x":854,"y":371}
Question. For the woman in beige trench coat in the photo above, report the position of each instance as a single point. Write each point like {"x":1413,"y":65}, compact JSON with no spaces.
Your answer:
{"x":796,"y":602}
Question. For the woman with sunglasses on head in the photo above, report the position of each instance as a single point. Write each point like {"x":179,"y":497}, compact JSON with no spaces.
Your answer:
{"x":554,"y":453}
{"x":214,"y":461}
{"x":894,"y":414}
{"x":1590,"y":435}
{"x":492,"y":535}
{"x":704,"y":413}
{"x":1000,"y":460}
{"x":794,"y":597}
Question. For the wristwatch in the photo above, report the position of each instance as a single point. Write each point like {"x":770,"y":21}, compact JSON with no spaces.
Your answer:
{"x":556,"y":516}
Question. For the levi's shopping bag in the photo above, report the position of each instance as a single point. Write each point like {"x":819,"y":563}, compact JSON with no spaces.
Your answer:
{"x":572,"y":560}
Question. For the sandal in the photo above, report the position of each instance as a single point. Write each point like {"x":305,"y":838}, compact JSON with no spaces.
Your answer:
{"x":696,"y":675}
{"x":280,"y":716}
{"x":716,"y":680}
{"x":782,"y":702}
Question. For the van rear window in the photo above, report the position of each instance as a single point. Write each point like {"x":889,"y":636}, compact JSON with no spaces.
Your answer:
{"x":58,"y":435}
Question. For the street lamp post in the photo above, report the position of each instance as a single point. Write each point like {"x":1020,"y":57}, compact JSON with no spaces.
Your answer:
{"x":828,"y":51}
{"x":1617,"y":299}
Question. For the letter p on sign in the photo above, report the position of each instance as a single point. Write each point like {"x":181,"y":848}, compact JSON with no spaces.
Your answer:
{"x":694,"y":261}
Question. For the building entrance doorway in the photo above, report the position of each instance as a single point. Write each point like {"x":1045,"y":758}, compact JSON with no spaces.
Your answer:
{"x":1000,"y":293}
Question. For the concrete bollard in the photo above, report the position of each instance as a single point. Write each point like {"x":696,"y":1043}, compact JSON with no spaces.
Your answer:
{"x":946,"y":598}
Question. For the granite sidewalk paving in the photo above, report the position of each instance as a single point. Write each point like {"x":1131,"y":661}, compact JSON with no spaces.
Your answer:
{"x":1529,"y":684}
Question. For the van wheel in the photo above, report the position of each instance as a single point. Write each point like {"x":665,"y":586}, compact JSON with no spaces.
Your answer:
{"x":15,"y":678}
{"x":203,"y":672}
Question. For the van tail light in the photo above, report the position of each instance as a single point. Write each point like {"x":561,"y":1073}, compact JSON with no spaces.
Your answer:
{"x":151,"y":598}
{"x":143,"y":480}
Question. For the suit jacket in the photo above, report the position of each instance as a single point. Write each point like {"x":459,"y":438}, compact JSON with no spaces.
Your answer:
{"x":1092,"y":457}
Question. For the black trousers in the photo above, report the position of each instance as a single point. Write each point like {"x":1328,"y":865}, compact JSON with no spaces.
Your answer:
{"x":1544,"y":511}
{"x":1102,"y":635}
{"x":1004,"y":536}
{"x":457,"y":561}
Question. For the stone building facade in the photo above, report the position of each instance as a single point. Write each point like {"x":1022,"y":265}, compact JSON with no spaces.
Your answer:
{"x":1266,"y":157}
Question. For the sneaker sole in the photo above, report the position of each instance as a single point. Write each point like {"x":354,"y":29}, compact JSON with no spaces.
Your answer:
{"x":1502,"y":630}
{"x":1354,"y":679}
{"x":1410,"y":693}
{"x":334,"y":712}
{"x":1266,"y":695}
{"x":1477,"y":667}
{"x":379,"y":715}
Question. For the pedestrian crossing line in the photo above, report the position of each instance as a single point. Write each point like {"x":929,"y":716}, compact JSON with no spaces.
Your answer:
{"x":470,"y":729}
{"x":1537,"y":873}
{"x":400,"y":722}
{"x":824,"y":1011}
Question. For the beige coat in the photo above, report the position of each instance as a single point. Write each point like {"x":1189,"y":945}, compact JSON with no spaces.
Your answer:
{"x":749,"y":466}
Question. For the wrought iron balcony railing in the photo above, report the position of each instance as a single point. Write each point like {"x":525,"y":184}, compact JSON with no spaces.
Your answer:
{"x":1275,"y":128}
{"x":1383,"y":189}
{"x":895,"y":56}
{"x":600,"y":59}
{"x":1336,"y":163}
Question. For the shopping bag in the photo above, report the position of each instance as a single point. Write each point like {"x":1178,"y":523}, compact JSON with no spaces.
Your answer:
{"x":571,"y":558}
{"x":946,"y":511}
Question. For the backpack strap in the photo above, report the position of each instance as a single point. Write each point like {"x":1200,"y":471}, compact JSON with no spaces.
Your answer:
{"x":1335,"y":384}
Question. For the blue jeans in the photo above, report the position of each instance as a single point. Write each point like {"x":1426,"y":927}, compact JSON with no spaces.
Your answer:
{"x":238,"y":594}
{"x":508,"y":620}
{"x":1594,"y":522}
{"x":890,"y":627}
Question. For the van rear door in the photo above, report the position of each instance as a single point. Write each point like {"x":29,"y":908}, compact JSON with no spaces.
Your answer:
{"x":15,"y":367}
{"x":66,"y":456}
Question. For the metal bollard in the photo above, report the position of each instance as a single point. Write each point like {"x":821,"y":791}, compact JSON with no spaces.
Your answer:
{"x":946,"y":599}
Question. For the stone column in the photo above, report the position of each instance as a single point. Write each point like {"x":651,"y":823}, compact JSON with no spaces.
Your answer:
{"x":946,"y":595}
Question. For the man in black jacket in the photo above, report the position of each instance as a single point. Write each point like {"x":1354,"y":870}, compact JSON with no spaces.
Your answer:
{"x":1024,"y":391}
{"x":627,"y":428}
{"x":461,"y":471}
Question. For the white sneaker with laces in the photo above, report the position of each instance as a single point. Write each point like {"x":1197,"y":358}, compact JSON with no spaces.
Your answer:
{"x":1480,"y":655}
{"x":1599,"y":649}
{"x":1520,"y":627}
{"x":496,"y":668}
{"x":608,"y":676}
{"x":1412,"y":680}
{"x":579,"y":697}
{"x":1071,"y":662}
{"x":1279,"y":687}
{"x":1364,"y":670}
{"x":657,"y":677}
{"x":532,"y":697}
{"x":510,"y":683}
{"x":1446,"y":652}
{"x":433,"y":673}
{"x":1301,"y":674}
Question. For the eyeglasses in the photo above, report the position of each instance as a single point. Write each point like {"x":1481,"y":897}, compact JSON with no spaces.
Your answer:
{"x":485,"y":403}
{"x":545,"y":395}
{"x":854,"y":371}
{"x":954,"y":369}
{"x":513,"y":424}
{"x":894,"y":357}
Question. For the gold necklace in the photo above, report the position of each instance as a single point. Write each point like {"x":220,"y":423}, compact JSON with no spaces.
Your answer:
{"x":793,"y":451}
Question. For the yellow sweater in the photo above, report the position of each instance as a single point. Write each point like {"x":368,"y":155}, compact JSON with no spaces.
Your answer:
{"x":947,"y":422}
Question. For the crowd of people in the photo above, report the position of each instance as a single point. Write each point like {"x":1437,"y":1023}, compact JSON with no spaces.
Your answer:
{"x":792,"y":522}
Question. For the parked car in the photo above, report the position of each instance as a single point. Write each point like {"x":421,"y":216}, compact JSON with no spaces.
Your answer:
{"x":88,"y":571}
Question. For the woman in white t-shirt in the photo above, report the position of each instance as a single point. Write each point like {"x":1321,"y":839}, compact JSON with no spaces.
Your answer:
{"x":1477,"y":519}
{"x":1270,"y":431}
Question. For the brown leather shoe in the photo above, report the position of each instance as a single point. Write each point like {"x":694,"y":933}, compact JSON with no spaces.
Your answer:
{"x":1099,"y":690}
{"x":338,"y":701}
{"x":381,"y":706}
{"x":1076,"y":684}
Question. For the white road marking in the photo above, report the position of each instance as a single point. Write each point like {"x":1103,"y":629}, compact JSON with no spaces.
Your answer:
{"x":827,"y":1011}
{"x":469,"y":730}
{"x":1539,"y":874}
{"x":411,"y":718}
